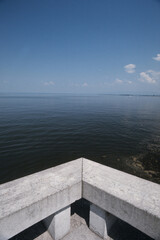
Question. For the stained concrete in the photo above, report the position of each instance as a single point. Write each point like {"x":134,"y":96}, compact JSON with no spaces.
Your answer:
{"x":28,"y":200}
{"x":79,"y":230}
{"x":132,"y":199}
{"x":82,"y":233}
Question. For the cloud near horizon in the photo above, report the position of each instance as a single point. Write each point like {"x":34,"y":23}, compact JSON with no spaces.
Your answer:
{"x":150,"y":76}
{"x":50,"y":83}
{"x":130,"y":82}
{"x":80,"y":85}
{"x":130,"y":68}
{"x":157,"y":58}
{"x":85,"y":84}
{"x":119,"y":80}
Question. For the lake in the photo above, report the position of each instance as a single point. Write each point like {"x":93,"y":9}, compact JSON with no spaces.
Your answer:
{"x":43,"y":130}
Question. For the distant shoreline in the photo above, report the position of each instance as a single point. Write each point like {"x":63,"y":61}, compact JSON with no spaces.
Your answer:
{"x":77,"y":94}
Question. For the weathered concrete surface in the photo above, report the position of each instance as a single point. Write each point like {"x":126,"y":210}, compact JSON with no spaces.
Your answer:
{"x":100,"y":221}
{"x":80,"y":231}
{"x":44,"y":236}
{"x":28,"y":200}
{"x":58,"y":224}
{"x":130,"y":198}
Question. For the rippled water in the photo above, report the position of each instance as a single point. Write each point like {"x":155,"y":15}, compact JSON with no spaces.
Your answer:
{"x":37,"y":132}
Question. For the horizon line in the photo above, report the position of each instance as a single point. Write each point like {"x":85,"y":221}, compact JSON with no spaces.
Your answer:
{"x":71,"y":93}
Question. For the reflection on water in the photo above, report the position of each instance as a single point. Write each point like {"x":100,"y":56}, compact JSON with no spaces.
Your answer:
{"x":37,"y":132}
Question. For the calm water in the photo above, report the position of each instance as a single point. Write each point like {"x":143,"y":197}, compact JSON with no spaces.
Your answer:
{"x":37,"y":132}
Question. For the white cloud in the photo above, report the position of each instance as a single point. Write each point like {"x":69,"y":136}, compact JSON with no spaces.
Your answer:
{"x":123,"y":81}
{"x":50,"y":83}
{"x":150,"y":76}
{"x":129,"y":82}
{"x":145,"y":77}
{"x":157,"y":58}
{"x":80,"y":84}
{"x":130,"y":68}
{"x":119,"y":80}
{"x":155,"y":75}
{"x":85,"y":84}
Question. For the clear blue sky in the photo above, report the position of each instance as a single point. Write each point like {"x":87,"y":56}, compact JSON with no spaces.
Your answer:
{"x":80,"y":46}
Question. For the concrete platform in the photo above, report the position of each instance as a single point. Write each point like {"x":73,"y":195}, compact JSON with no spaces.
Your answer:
{"x":82,"y":233}
{"x":80,"y":230}
{"x":44,"y":236}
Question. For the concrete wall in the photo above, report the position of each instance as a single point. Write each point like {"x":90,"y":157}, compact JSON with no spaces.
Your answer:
{"x":28,"y":200}
{"x":130,"y":198}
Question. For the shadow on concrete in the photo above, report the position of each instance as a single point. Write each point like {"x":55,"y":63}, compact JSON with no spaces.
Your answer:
{"x":120,"y":229}
{"x":123,"y":231}
{"x":31,"y":233}
{"x":81,"y":208}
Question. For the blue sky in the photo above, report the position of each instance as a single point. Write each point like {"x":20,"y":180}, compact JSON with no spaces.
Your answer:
{"x":80,"y":46}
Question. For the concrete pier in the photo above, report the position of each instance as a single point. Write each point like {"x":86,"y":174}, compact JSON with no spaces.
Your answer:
{"x":101,"y":221}
{"x":26,"y":201}
{"x":58,"y":224}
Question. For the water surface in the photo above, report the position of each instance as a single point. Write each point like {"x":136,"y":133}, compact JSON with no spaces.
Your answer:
{"x":37,"y":132}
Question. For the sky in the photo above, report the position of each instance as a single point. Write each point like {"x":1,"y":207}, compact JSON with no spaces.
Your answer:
{"x":80,"y":46}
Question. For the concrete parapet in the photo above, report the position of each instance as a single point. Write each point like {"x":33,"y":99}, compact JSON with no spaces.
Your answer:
{"x":26,"y":201}
{"x":132,"y":199}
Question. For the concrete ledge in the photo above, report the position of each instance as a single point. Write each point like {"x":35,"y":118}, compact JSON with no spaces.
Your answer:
{"x":130,"y":198}
{"x":28,"y":200}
